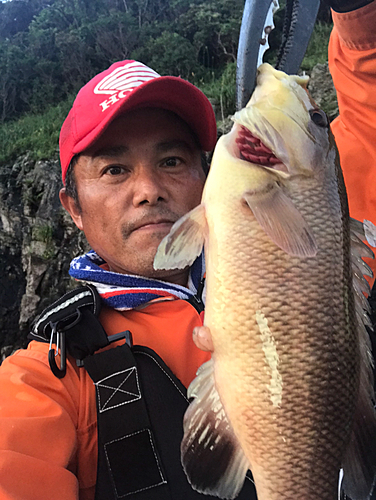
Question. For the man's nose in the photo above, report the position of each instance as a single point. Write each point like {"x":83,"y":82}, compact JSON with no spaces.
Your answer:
{"x":148,"y":187}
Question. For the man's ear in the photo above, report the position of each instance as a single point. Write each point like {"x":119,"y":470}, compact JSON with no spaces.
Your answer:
{"x":71,"y":207}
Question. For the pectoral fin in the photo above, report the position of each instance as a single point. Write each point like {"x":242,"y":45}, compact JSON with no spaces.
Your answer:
{"x":184,"y":242}
{"x":211,"y":455}
{"x":282,"y":222}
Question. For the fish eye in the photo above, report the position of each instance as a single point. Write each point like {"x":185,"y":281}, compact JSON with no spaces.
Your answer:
{"x":319,"y":118}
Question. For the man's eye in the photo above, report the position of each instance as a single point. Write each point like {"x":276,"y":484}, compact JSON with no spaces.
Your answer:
{"x":172,"y":162}
{"x":114,"y":170}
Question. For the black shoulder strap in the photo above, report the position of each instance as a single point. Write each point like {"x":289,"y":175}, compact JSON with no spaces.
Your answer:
{"x":140,"y":408}
{"x":128,"y":460}
{"x":71,"y":323}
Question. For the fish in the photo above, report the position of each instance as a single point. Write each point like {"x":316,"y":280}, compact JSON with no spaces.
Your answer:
{"x":288,"y":391}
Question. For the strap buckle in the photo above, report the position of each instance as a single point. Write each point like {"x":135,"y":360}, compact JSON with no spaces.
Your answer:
{"x":127,"y":335}
{"x":53,"y":353}
{"x":59,"y":333}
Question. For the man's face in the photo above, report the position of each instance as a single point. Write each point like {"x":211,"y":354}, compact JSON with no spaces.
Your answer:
{"x":142,"y":175}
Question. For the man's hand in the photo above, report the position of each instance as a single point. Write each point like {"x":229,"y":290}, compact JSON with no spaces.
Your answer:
{"x":202,"y":338}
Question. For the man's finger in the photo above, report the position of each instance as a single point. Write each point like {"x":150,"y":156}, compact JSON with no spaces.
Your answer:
{"x":202,"y":338}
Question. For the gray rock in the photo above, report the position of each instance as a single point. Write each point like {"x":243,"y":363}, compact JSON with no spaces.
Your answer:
{"x":37,"y":242}
{"x":322,"y":90}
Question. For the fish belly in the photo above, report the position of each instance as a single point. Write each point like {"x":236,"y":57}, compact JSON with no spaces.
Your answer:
{"x":286,"y":353}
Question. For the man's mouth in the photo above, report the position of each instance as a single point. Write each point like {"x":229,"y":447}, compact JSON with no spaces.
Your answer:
{"x":153,"y":219}
{"x":161,"y":224}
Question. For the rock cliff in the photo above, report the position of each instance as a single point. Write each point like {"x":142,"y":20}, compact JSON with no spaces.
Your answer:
{"x":37,"y":241}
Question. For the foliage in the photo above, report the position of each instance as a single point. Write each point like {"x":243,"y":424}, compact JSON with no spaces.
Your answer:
{"x":38,"y":134}
{"x":222,"y":90}
{"x":43,"y":233}
{"x":170,"y":53}
{"x":317,"y":50}
{"x":50,"y":48}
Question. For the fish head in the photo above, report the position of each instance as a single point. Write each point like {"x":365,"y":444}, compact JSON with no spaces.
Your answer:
{"x":280,"y":152}
{"x":282,"y":128}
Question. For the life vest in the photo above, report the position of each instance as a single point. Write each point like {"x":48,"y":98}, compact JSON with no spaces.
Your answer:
{"x":140,"y":403}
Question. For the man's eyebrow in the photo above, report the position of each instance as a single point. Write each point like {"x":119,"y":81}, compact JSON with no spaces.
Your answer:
{"x":165,"y":146}
{"x":111,"y":151}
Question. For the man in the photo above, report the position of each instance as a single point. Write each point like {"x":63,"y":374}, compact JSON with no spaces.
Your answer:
{"x":137,"y":170}
{"x":131,"y":157}
{"x":352,"y":63}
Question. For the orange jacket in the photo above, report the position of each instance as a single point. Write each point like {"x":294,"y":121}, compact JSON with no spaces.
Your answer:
{"x":352,"y":63}
{"x":48,"y":440}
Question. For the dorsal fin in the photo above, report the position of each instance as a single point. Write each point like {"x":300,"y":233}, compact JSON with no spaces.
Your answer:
{"x":359,"y":464}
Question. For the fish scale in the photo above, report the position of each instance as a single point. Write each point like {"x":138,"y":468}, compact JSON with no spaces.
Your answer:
{"x":288,"y":390}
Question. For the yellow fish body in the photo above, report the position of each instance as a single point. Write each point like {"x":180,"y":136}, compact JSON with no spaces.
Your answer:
{"x":288,"y":390}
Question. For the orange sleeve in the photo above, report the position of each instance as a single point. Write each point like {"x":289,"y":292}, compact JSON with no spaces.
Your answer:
{"x":352,"y":63}
{"x":38,"y":421}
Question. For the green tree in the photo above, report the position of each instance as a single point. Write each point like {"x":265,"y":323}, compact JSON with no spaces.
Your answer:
{"x":15,"y":16}
{"x":169,"y":54}
{"x":68,"y":41}
{"x":7,"y":83}
{"x":116,"y":35}
{"x":15,"y":70}
{"x":213,"y":29}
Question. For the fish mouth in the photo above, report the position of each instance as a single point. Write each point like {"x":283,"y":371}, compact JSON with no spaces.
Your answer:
{"x":251,"y":149}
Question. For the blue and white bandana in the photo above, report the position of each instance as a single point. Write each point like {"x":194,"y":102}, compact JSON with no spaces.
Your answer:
{"x":127,"y":291}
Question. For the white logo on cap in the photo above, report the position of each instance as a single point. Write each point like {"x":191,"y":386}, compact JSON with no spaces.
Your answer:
{"x":123,"y":80}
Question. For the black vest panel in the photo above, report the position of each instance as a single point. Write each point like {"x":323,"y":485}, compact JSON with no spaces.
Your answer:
{"x":140,"y":407}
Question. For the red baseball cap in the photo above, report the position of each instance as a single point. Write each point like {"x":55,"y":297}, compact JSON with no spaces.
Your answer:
{"x":128,"y":85}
